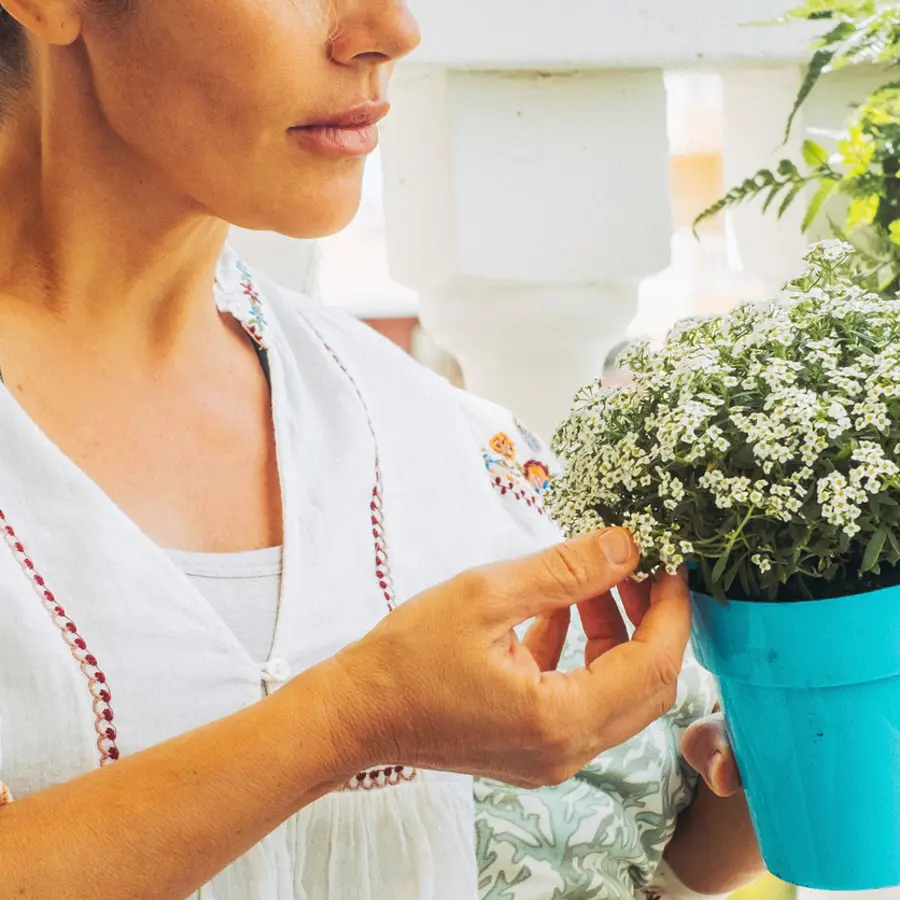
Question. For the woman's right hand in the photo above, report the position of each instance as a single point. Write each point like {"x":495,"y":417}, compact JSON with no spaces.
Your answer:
{"x":444,"y":683}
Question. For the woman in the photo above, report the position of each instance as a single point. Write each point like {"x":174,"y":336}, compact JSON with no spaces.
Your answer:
{"x":211,"y":490}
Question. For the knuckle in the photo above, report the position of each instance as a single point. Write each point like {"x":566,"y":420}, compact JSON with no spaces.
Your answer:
{"x":545,"y":730}
{"x":476,"y":583}
{"x":666,"y":699}
{"x":565,"y":568}
{"x":557,"y":773}
{"x":670,"y":696}
{"x":664,"y":671}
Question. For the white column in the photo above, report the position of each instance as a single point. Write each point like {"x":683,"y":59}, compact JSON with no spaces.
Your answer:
{"x":756,"y":105}
{"x":525,"y":208}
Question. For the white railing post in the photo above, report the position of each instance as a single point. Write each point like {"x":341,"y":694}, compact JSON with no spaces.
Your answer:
{"x":525,"y":209}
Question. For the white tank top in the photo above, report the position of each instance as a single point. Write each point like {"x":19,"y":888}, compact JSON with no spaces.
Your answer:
{"x":242,"y":588}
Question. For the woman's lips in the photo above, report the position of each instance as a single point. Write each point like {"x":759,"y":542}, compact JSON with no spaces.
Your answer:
{"x":350,"y":133}
{"x":332,"y":140}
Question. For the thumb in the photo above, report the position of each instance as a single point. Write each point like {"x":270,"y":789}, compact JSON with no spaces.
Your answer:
{"x":566,"y":574}
{"x":706,"y":748}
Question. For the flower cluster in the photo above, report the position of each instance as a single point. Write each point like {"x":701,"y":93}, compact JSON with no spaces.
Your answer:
{"x":763,"y":446}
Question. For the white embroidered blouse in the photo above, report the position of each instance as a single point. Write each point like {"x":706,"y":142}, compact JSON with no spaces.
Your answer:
{"x":392,"y":481}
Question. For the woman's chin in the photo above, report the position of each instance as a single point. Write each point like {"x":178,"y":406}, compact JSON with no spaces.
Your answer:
{"x":304,"y":219}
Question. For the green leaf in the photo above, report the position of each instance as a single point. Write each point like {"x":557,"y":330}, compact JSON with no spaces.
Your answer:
{"x":774,"y":191}
{"x":863,"y":211}
{"x":814,"y":154}
{"x":789,"y":199}
{"x":895,"y":543}
{"x":719,"y":568}
{"x":873,"y":550}
{"x":732,"y":572}
{"x":748,"y":189}
{"x":817,"y":67}
{"x":857,"y":150}
{"x":824,"y":193}
{"x":837,"y":34}
{"x":788,"y":169}
{"x":707,"y":574}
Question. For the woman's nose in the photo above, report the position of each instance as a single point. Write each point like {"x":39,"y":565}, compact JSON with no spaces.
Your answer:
{"x":374,"y":31}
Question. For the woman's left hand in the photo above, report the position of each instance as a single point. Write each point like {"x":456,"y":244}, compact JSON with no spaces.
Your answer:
{"x":718,"y":817}
{"x":707,"y":749}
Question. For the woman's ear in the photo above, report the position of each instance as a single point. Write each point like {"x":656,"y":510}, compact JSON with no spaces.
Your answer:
{"x":53,"y":21}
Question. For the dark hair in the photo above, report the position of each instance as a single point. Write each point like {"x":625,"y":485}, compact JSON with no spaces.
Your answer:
{"x":12,"y":56}
{"x":14,"y":47}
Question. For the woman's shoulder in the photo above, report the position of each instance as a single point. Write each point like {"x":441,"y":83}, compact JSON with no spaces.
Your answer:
{"x":516,"y":463}
{"x":519,"y":467}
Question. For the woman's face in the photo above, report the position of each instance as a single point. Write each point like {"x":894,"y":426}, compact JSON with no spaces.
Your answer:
{"x":236,"y":102}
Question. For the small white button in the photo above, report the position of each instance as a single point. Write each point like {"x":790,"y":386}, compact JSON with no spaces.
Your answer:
{"x":276,"y":670}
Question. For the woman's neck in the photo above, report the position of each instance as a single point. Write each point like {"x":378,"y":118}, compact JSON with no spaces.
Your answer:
{"x":89,"y":233}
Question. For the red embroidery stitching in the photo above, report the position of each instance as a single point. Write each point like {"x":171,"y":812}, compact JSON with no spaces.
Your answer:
{"x":507,"y":479}
{"x":389,"y":776}
{"x":382,"y":561}
{"x":97,"y":684}
{"x":383,"y":572}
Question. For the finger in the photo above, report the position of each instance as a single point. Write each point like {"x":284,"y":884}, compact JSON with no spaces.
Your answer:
{"x":635,"y":678}
{"x":603,"y":626}
{"x":666,"y":625}
{"x":546,"y":638}
{"x":708,"y":751}
{"x":635,"y":598}
{"x":601,"y":712}
{"x":509,"y":593}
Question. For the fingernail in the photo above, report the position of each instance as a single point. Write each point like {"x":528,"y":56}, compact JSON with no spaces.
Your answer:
{"x":713,"y":766}
{"x":617,"y":545}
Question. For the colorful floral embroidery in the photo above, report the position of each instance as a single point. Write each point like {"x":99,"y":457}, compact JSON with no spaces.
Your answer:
{"x":535,"y":445}
{"x":254,"y":322}
{"x":503,"y":444}
{"x":537,"y":474}
{"x":97,"y":684}
{"x":524,"y":482}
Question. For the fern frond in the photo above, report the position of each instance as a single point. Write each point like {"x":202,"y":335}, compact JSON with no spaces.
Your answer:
{"x":771,"y":184}
{"x":819,"y":65}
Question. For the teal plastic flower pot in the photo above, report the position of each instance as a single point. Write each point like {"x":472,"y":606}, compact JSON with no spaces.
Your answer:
{"x":811,"y":693}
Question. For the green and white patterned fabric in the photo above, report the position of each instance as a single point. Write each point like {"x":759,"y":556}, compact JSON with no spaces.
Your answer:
{"x":601,"y":835}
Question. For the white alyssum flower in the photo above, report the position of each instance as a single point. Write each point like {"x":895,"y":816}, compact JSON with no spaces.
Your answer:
{"x":762,"y":443}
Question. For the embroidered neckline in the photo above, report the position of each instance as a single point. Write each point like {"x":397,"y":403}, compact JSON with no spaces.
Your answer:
{"x":237,"y":295}
{"x":240,"y":298}
{"x":254,"y":322}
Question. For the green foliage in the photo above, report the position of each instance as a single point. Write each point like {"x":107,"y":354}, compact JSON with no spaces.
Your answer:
{"x":786,"y":181}
{"x":864,"y":168}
